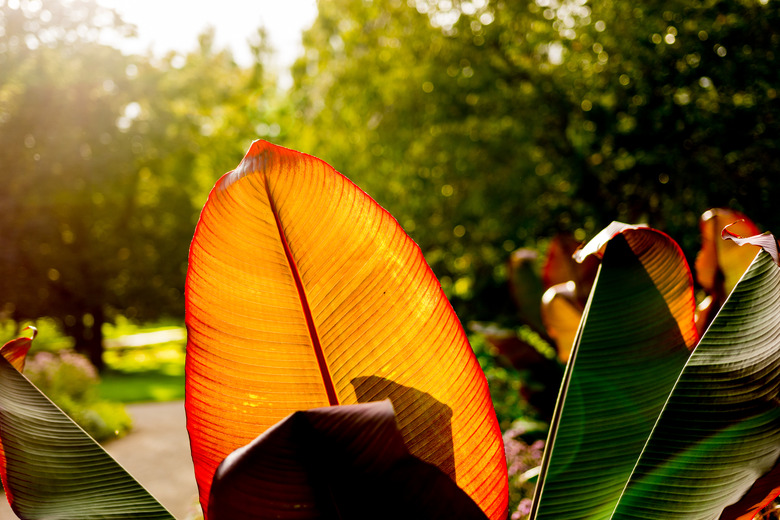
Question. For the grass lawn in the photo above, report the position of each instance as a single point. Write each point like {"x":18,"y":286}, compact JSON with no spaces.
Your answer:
{"x":135,"y":372}
{"x":144,"y":374}
{"x":124,"y":387}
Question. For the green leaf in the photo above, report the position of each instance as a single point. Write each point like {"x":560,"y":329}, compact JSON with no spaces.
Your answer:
{"x":341,"y":462}
{"x":52,"y":469}
{"x":720,"y":429}
{"x":632,"y":343}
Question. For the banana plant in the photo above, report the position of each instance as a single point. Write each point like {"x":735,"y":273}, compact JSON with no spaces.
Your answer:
{"x":327,"y":376}
{"x":652,"y":420}
{"x":303,"y":292}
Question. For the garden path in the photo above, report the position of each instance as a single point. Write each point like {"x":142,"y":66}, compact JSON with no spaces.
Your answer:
{"x":157,"y":453}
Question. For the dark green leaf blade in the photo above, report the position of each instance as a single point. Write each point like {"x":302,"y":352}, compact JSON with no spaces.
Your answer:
{"x":52,"y":469}
{"x":633,"y":341}
{"x":341,"y":462}
{"x":720,"y":430}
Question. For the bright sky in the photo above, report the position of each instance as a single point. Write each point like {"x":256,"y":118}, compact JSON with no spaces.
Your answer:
{"x":165,"y":25}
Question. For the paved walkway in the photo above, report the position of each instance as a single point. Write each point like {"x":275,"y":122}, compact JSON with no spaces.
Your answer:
{"x":157,"y":453}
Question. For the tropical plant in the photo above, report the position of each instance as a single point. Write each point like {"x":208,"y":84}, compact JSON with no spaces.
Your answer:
{"x":306,"y":303}
{"x":719,"y":265}
{"x":486,"y":125}
{"x":302,"y":292}
{"x":644,"y":427}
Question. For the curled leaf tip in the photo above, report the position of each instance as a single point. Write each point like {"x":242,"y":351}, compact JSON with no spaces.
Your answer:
{"x":255,"y":158}
{"x":598,"y":243}
{"x":764,"y":240}
{"x":522,"y":255}
{"x":34,"y":331}
{"x":15,"y":351}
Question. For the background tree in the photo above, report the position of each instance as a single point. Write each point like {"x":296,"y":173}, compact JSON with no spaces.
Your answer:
{"x":67,"y":166}
{"x":482,"y":125}
{"x":667,"y":108}
{"x":485,"y":125}
{"x":106,"y":160}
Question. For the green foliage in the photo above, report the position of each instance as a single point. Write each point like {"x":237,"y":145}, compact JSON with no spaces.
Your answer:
{"x":143,"y":374}
{"x":480,"y":125}
{"x":504,"y":382}
{"x":70,"y":381}
{"x":72,"y":476}
{"x":123,"y":326}
{"x":685,"y":436}
{"x":483,"y":125}
{"x":107,"y":160}
{"x":140,"y":387}
{"x":50,"y":337}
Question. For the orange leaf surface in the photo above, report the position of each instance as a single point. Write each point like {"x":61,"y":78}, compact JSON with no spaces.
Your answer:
{"x":561,"y":314}
{"x":560,"y":267}
{"x":303,"y":292}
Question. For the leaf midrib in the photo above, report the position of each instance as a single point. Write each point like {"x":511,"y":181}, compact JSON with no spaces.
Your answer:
{"x":327,"y":381}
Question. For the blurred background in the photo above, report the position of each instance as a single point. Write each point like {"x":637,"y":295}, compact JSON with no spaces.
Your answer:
{"x":483,"y":126}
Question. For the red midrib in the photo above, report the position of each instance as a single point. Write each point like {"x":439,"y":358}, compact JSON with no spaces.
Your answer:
{"x":327,"y":381}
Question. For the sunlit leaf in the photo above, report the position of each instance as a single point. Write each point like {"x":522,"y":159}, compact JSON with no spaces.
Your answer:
{"x":339,"y":462}
{"x":561,"y":314}
{"x":15,"y":351}
{"x":720,"y":263}
{"x":632,"y":344}
{"x":302,"y":292}
{"x":51,"y":468}
{"x":766,"y":241}
{"x":760,"y":495}
{"x":720,"y":429}
{"x":561,"y":267}
{"x":598,"y":244}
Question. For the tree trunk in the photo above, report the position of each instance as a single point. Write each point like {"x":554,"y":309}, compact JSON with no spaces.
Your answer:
{"x":89,"y":337}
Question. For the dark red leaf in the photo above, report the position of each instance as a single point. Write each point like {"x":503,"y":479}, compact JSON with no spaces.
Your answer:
{"x":340,"y":462}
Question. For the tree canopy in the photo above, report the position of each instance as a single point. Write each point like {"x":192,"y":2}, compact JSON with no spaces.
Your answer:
{"x":106,"y":162}
{"x":487,"y":125}
{"x":482,"y":125}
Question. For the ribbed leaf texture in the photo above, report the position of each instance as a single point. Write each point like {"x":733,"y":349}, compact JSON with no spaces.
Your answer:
{"x":345,"y":462}
{"x":632,"y":343}
{"x":303,"y":292}
{"x":52,"y":469}
{"x":720,"y":430}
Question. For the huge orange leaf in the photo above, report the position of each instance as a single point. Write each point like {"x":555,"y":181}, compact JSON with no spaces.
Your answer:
{"x":303,"y":292}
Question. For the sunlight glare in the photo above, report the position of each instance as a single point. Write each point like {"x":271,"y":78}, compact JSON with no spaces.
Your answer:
{"x":175,"y":25}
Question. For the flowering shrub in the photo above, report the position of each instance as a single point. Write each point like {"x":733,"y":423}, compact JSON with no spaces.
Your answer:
{"x":70,"y":380}
{"x":523,"y":458}
{"x":64,"y":372}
